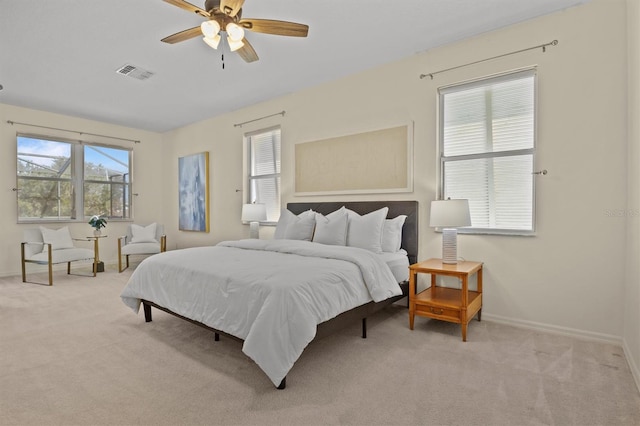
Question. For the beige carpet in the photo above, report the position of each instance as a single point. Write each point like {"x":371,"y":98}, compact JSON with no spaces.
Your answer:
{"x":75,"y":354}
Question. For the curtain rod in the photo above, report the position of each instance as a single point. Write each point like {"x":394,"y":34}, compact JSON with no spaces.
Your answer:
{"x":73,"y":131}
{"x":540,"y":46}
{"x":261,"y":118}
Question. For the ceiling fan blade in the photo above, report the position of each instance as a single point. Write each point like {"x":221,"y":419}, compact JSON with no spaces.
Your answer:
{"x":189,"y":7}
{"x":270,"y":26}
{"x":246,"y":52}
{"x":183,"y":35}
{"x":231,"y":7}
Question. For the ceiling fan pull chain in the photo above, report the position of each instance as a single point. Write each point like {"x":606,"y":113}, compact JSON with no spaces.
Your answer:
{"x":223,"y":61}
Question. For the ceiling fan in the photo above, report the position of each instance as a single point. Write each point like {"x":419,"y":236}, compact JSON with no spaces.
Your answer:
{"x":226,"y":16}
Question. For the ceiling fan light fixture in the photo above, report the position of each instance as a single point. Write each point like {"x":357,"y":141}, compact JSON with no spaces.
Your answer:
{"x":223,"y":19}
{"x":234,"y":44}
{"x":234,"y":31}
{"x":212,"y":41}
{"x":210,"y":28}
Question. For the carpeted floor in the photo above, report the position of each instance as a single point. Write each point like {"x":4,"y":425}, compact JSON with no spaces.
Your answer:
{"x":75,"y":354}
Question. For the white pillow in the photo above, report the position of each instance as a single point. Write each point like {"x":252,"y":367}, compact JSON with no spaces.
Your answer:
{"x":392,"y":234}
{"x":366,"y":231}
{"x":300,"y":228}
{"x":287,"y":216}
{"x":332,"y":228}
{"x":58,"y":238}
{"x":143,"y":234}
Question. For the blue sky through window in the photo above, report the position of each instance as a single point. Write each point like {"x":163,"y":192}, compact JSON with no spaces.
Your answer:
{"x":43,"y":151}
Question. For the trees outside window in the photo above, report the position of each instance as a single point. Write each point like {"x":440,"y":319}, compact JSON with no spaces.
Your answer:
{"x":60,"y":180}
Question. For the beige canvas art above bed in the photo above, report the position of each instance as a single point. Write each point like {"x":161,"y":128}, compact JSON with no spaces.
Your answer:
{"x":371,"y":162}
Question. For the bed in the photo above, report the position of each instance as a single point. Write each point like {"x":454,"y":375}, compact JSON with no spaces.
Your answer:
{"x":278,"y":295}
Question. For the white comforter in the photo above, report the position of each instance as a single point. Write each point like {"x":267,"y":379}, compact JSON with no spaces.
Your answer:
{"x":270,"y":293}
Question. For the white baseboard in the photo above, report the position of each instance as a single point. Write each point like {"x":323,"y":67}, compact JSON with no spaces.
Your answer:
{"x":549,"y":328}
{"x":635,"y":371}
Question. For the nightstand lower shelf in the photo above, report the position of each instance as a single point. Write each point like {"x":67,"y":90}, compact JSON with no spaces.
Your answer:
{"x":446,"y":304}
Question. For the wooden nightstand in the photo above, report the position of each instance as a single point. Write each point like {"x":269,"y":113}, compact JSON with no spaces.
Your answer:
{"x":444,"y":303}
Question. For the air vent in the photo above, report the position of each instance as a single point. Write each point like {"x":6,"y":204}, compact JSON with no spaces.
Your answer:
{"x":135,"y":72}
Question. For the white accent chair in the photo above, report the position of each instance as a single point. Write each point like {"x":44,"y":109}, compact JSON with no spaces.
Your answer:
{"x":141,"y":240}
{"x":46,"y":246}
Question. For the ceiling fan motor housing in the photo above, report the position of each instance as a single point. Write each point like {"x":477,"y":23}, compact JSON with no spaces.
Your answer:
{"x":213,"y":7}
{"x":209,"y":5}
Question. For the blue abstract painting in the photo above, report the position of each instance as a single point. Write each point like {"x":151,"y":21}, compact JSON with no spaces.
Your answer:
{"x":193,"y":193}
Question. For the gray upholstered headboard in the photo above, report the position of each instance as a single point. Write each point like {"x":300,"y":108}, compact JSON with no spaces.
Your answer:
{"x":396,"y":208}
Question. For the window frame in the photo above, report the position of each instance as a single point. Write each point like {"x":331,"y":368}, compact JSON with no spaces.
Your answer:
{"x":442,"y":159}
{"x":76,"y":180}
{"x":250,"y":178}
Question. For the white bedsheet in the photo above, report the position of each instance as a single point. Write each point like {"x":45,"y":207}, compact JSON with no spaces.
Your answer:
{"x":270,"y":293}
{"x":398,"y":263}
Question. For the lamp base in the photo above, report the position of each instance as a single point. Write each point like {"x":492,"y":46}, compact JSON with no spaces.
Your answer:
{"x":450,"y":245}
{"x":254,"y":229}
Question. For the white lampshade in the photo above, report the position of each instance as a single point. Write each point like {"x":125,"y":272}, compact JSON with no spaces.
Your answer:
{"x":449,"y":215}
{"x":210,"y":28}
{"x":254,"y":213}
{"x":234,"y":44}
{"x":234,"y":31}
{"x":212,"y":41}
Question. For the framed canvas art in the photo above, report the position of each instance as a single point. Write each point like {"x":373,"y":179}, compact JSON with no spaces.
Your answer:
{"x":193,"y":192}
{"x":374,"y":162}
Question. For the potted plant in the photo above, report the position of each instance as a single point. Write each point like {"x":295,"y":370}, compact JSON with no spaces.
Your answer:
{"x":97,"y":223}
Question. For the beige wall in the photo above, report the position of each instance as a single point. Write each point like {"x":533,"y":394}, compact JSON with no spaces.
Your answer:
{"x":569,"y":277}
{"x":148,"y":175}
{"x":631,"y":333}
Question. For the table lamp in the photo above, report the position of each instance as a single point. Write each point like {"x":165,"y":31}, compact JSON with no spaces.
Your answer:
{"x":449,"y":215}
{"x":254,"y":213}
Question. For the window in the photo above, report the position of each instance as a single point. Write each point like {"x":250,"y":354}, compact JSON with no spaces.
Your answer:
{"x":263,"y":148}
{"x":487,"y":146}
{"x":60,"y":180}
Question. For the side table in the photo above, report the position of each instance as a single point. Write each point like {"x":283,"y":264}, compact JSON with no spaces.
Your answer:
{"x":98,"y":265}
{"x":444,"y":303}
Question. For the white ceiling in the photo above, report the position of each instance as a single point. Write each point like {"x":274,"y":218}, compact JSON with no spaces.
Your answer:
{"x":62,"y":55}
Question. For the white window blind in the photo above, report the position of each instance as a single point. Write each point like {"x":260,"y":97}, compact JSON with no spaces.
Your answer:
{"x":264,"y":170}
{"x":487,"y":147}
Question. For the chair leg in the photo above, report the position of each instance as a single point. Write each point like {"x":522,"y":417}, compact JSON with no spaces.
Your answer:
{"x":50,"y":266}
{"x":24,"y":269}
{"x":24,"y":266}
{"x":50,"y":262}
{"x":120,"y":268}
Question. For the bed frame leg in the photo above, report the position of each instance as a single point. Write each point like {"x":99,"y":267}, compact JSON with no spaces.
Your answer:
{"x":147,"y":312}
{"x":364,"y":328}
{"x":216,"y":337}
{"x":283,"y":384}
